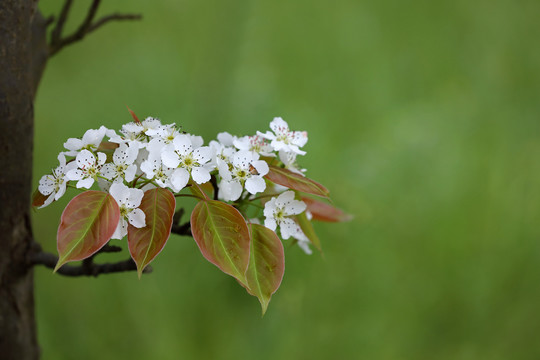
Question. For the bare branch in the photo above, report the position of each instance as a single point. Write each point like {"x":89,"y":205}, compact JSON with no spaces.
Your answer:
{"x":57,"y":32}
{"x":183,"y":230}
{"x":213,"y":181}
{"x":88,"y":267}
{"x":113,"y":17}
{"x":86,"y":27}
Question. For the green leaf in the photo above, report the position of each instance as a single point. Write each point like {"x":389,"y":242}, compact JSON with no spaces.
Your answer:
{"x":325,"y":212}
{"x":295,"y":181}
{"x":266,"y":264}
{"x":222,"y":236}
{"x":87,"y":223}
{"x":308,"y":230}
{"x":146,"y":243}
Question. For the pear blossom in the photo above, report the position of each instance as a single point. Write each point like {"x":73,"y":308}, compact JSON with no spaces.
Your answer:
{"x":122,"y":167}
{"x":245,"y":170}
{"x":289,"y":160}
{"x":154,"y":169}
{"x":136,"y":132}
{"x":88,"y":168}
{"x":188,"y":160}
{"x":278,"y":212}
{"x":161,"y":136}
{"x":90,"y":141}
{"x":128,"y":200}
{"x":54,"y":185}
{"x":256,"y":144}
{"x":284,"y":139}
{"x":226,"y":139}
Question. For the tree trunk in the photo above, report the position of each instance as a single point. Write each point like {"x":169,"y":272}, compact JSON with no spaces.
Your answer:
{"x":23,"y":54}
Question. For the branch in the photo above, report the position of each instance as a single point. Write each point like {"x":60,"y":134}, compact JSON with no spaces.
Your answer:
{"x":88,"y":267}
{"x":113,"y":17}
{"x":57,"y":32}
{"x":213,"y":181}
{"x":182,"y":230}
{"x":57,"y":42}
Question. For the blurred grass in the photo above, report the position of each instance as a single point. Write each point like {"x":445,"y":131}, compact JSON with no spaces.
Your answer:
{"x":424,"y":122}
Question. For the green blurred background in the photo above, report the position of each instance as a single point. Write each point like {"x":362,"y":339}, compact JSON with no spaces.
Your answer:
{"x":424,"y":122}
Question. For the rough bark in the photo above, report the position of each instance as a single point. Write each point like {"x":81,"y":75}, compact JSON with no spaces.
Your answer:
{"x":23,"y":54}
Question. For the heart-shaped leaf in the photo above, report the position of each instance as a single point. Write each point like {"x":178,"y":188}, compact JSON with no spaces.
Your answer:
{"x":146,"y":243}
{"x":308,"y":230}
{"x":295,"y":181}
{"x":87,"y":223}
{"x":322,"y":211}
{"x":266,"y":264}
{"x":222,"y":236}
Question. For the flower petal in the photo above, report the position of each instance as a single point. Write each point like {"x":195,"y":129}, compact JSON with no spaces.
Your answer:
{"x":202,"y":154}
{"x":85,"y":159}
{"x":255,"y":184}
{"x":295,"y":207}
{"x":85,"y":183}
{"x":278,"y":125}
{"x":270,"y":223}
{"x":137,"y":218}
{"x":200,"y":175}
{"x":170,"y":158}
{"x":179,"y":179}
{"x":182,"y":144}
{"x":134,"y":198}
{"x":230,"y":190}
{"x":121,"y":229}
{"x":261,"y":166}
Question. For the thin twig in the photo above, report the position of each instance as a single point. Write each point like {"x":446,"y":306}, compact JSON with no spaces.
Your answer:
{"x":86,"y":27}
{"x":113,"y":17}
{"x":57,"y":32}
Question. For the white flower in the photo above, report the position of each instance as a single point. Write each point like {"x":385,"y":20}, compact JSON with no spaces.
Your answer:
{"x":161,"y":136}
{"x":128,"y":200}
{"x":54,"y":185}
{"x":283,"y":138}
{"x":188,"y":160}
{"x":220,"y":152}
{"x":90,"y":141}
{"x":245,"y":170}
{"x":289,"y":160}
{"x":278,"y":210}
{"x":136,"y":132}
{"x":88,"y":169}
{"x":226,"y":139}
{"x":154,"y":169}
{"x":256,"y":144}
{"x":122,"y":167}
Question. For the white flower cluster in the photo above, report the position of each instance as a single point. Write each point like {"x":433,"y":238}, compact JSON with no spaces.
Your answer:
{"x":148,"y":154}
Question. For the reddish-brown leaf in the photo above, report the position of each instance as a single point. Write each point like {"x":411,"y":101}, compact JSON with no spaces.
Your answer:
{"x":295,"y":181}
{"x":266,"y":264}
{"x":322,"y":211}
{"x":87,"y":223}
{"x":38,"y":198}
{"x":146,"y":243}
{"x":135,"y":118}
{"x":222,"y":236}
